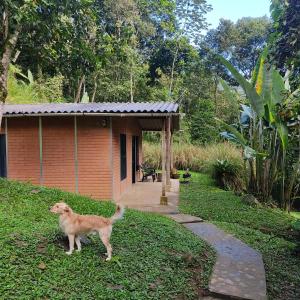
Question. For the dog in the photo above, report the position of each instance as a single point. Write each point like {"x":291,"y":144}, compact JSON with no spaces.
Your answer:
{"x":74,"y":225}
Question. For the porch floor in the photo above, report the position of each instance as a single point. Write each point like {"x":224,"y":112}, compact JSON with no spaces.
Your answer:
{"x":145,"y":196}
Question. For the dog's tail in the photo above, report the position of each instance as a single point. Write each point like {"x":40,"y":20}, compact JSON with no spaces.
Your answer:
{"x":118,"y":214}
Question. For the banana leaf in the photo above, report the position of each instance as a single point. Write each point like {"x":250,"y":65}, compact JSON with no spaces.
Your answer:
{"x":283,"y":134}
{"x":234,"y":132}
{"x":255,"y":100}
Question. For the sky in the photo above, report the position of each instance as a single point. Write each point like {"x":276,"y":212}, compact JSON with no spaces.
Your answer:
{"x":236,"y":9}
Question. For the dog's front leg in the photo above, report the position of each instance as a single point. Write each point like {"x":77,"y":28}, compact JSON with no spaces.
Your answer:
{"x":71,"y":243}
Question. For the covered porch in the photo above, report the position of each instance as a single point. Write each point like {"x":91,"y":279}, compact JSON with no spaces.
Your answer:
{"x":146,"y":196}
{"x":161,"y":197}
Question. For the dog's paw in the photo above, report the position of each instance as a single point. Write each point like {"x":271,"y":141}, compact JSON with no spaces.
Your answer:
{"x":69,"y":252}
{"x":78,"y":250}
{"x":108,"y":259}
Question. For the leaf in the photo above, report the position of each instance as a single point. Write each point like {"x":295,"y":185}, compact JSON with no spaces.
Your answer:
{"x":261,"y":59}
{"x":85,"y":98}
{"x":30,"y":77}
{"x":278,"y":88}
{"x":254,"y":98}
{"x":227,"y":90}
{"x":239,"y":137}
{"x":229,"y":136}
{"x":249,"y":152}
{"x":246,"y":114}
{"x":283,"y":133}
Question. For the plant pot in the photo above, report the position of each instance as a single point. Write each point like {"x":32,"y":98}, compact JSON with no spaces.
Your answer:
{"x":159,"y":177}
{"x":175,"y":176}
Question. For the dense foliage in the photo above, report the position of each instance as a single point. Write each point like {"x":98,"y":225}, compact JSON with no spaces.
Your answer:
{"x":285,"y":39}
{"x":267,"y":130}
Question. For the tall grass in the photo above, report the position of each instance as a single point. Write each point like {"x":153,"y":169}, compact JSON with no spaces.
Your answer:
{"x":196,"y":158}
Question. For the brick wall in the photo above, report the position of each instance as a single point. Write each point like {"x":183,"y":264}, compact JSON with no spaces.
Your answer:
{"x":94,"y":158}
{"x":130,"y":127}
{"x":58,"y":152}
{"x":23,"y":149}
{"x":98,"y":156}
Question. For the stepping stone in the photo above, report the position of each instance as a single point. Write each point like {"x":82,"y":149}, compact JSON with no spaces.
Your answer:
{"x":239,"y":270}
{"x":183,"y":219}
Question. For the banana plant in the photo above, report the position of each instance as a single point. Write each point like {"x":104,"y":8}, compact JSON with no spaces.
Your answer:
{"x":264,"y":135}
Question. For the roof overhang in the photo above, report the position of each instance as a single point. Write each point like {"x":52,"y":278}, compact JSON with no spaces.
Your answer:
{"x":149,"y":115}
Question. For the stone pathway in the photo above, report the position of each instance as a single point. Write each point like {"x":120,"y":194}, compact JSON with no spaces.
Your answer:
{"x":239,"y":270}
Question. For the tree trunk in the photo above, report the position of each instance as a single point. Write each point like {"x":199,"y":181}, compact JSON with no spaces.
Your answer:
{"x":252,"y":187}
{"x":9,"y":45}
{"x":131,"y":87}
{"x":172,"y":71}
{"x":5,"y":61}
{"x":95,"y":89}
{"x":78,"y":94}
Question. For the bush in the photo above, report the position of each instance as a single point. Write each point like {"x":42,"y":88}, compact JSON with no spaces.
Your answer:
{"x":196,"y":158}
{"x":227,"y":175}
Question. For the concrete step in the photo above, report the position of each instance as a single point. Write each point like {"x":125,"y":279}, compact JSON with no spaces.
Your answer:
{"x":183,"y":219}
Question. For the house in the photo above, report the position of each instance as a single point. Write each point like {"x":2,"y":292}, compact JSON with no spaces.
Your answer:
{"x":89,"y":148}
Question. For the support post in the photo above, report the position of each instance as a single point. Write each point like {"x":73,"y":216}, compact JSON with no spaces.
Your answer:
{"x":168,"y":154}
{"x":41,"y":150}
{"x":163,"y":198}
{"x":6,"y":148}
{"x":76,"y":154}
{"x":171,"y":151}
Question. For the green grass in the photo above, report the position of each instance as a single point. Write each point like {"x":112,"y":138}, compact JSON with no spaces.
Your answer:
{"x":153,"y":257}
{"x":295,"y":214}
{"x":265,"y":229}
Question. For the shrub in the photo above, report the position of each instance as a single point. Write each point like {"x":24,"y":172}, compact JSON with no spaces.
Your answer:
{"x":227,"y":175}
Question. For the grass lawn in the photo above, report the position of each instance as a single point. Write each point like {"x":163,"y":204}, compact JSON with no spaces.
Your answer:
{"x":153,"y":257}
{"x":267,"y":230}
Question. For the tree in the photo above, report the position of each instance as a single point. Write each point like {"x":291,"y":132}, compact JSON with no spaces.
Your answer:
{"x":285,"y":39}
{"x":50,"y":24}
{"x":241,"y":42}
{"x":202,"y":125}
{"x":191,"y":18}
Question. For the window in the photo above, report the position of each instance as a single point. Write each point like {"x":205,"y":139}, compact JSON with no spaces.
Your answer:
{"x":123,"y":156}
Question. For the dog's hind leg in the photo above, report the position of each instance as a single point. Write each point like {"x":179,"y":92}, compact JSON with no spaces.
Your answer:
{"x":78,"y":243}
{"x":71,"y":243}
{"x":105,"y":236}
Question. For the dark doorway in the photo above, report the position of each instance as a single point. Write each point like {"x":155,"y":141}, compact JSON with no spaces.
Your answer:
{"x":135,"y":157}
{"x":123,"y":156}
{"x":3,"y":171}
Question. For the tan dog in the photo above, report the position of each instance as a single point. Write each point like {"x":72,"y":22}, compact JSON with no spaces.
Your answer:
{"x":75,"y":225}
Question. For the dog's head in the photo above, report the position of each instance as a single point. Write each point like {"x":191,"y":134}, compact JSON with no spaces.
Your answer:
{"x":60,"y":208}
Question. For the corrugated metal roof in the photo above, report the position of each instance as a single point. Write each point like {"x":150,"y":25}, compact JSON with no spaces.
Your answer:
{"x":90,"y":108}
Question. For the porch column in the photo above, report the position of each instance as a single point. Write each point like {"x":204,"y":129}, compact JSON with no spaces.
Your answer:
{"x":168,"y":154}
{"x":163,"y":198}
{"x":171,"y":151}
